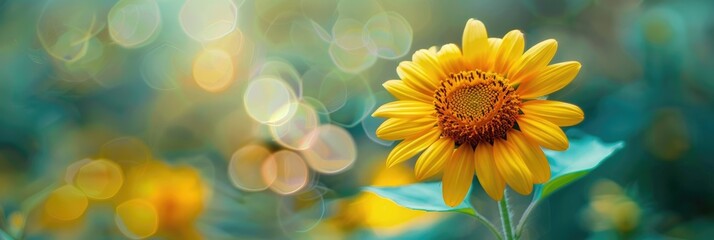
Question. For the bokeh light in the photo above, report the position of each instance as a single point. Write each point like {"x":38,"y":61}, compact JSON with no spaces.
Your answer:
{"x":99,"y":179}
{"x":66,"y":203}
{"x":389,"y":34}
{"x":299,"y":131}
{"x":163,"y":67}
{"x":333,"y":150}
{"x":289,"y":171}
{"x":65,"y":27}
{"x":133,"y":23}
{"x":206,"y":20}
{"x":245,"y":168}
{"x":270,"y":101}
{"x":137,"y":218}
{"x":213,"y":70}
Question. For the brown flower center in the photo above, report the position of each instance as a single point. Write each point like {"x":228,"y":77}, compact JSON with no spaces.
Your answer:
{"x":475,"y":106}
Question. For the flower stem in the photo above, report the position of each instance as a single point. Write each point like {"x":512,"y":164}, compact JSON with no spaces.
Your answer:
{"x":524,"y":218}
{"x":488,"y":224}
{"x":506,"y":217}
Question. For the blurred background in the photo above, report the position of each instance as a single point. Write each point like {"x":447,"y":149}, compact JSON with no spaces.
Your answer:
{"x":232,"y":119}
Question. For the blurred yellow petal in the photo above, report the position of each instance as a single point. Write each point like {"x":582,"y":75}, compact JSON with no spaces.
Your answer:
{"x":432,"y":160}
{"x":551,"y":79}
{"x":509,"y":51}
{"x":543,"y":132}
{"x":429,"y":63}
{"x":532,"y":61}
{"x":475,"y":44}
{"x":401,"y":91}
{"x":416,"y":78}
{"x":411,"y":146}
{"x":458,"y":174}
{"x":533,"y":156}
{"x":487,"y":172}
{"x":404,"y":109}
{"x":450,"y":58}
{"x":511,"y":166}
{"x":559,"y":113}
{"x":401,"y":128}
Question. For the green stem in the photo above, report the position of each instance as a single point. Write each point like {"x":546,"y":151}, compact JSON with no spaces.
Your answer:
{"x":488,"y":224}
{"x":524,"y":217}
{"x":506,"y":217}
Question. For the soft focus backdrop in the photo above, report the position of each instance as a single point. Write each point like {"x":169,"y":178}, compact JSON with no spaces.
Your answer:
{"x":223,"y":119}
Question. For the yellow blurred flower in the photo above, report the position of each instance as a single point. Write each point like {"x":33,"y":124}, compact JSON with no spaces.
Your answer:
{"x":611,"y":209}
{"x":377,"y":213}
{"x":484,"y":101}
{"x":170,"y":198}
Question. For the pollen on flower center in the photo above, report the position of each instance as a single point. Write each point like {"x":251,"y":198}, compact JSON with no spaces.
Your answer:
{"x":474,"y":106}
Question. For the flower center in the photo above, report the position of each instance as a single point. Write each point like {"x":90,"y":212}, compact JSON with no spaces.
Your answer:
{"x":475,"y":106}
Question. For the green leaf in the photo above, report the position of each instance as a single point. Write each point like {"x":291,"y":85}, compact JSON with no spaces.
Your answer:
{"x":5,"y":236}
{"x":586,"y":152}
{"x":421,"y":196}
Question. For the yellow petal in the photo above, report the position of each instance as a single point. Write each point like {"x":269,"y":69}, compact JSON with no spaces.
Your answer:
{"x":509,"y":51}
{"x":511,"y":166}
{"x":532,"y":61}
{"x":458,"y":174}
{"x":450,"y":58}
{"x":432,"y":160}
{"x":411,"y":146}
{"x":401,"y":128}
{"x":475,"y":44}
{"x":416,"y":78}
{"x":494,"y":44}
{"x":549,"y":80}
{"x":401,"y":91}
{"x":543,"y":132}
{"x":404,"y":109}
{"x":533,"y":156}
{"x":487,"y":172}
{"x":429,"y":63}
{"x":559,"y":113}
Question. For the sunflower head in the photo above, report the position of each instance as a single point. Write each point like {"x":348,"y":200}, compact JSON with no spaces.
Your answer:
{"x":476,"y":110}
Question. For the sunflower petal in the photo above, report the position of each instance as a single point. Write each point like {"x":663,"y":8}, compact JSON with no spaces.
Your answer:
{"x":415,"y":77}
{"x":560,"y":113}
{"x":429,"y":63}
{"x":401,"y":91}
{"x":509,"y":51}
{"x":432,"y":160}
{"x":511,"y":166}
{"x":401,"y":128}
{"x":475,"y":44}
{"x":532,"y":61}
{"x":533,"y":156}
{"x":404,"y":109}
{"x":458,"y":174}
{"x":494,"y":44}
{"x":487,"y":173}
{"x":411,"y":146}
{"x":450,"y":58}
{"x":543,"y":132}
{"x":551,"y":79}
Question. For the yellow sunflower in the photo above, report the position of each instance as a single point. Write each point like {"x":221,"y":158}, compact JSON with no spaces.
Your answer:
{"x":477,"y":110}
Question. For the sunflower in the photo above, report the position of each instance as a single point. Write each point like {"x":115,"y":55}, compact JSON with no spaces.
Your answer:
{"x":479,"y":110}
